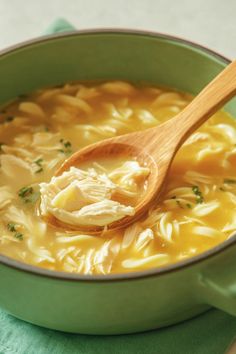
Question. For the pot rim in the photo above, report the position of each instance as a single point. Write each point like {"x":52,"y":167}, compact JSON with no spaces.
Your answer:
{"x":20,"y":266}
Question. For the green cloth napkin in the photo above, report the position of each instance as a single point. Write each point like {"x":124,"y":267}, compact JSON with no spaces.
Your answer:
{"x":210,"y":333}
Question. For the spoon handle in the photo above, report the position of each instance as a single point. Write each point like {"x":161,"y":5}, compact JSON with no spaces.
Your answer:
{"x":211,"y":98}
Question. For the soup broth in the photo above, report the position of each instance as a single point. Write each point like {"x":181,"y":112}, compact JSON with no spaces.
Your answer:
{"x":38,"y":132}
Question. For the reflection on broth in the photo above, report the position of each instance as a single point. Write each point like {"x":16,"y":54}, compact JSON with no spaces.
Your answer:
{"x":38,"y":133}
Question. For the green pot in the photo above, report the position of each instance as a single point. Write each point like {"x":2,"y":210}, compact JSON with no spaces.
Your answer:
{"x":132,"y":302}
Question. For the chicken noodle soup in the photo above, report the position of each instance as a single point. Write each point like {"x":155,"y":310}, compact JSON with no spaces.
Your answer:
{"x":38,"y":132}
{"x":97,"y":196}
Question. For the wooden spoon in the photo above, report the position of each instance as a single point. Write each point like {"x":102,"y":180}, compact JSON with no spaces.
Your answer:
{"x":156,"y":147}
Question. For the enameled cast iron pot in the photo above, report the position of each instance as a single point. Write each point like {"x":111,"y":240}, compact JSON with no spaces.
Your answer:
{"x":122,"y":303}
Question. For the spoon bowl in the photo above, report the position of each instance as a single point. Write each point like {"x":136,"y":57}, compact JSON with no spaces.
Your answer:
{"x":156,"y":147}
{"x":113,"y":149}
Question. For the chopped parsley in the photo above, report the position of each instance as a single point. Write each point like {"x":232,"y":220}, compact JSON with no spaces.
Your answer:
{"x":11,"y":226}
{"x":19,"y":235}
{"x":229,"y":181}
{"x":198,"y":193}
{"x":178,"y":202}
{"x":25,"y":191}
{"x":28,"y":194}
{"x":67,"y":144}
{"x":39,"y":162}
{"x":1,"y":144}
{"x":66,"y":147}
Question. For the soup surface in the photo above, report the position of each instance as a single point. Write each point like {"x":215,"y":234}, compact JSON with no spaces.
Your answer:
{"x":38,"y":132}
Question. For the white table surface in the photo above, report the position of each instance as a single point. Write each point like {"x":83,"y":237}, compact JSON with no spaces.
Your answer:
{"x":208,"y":22}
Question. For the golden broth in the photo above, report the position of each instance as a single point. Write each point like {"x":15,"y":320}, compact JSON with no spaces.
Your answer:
{"x":38,"y":132}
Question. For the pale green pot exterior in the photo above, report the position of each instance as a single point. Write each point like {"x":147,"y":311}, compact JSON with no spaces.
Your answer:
{"x":117,"y":303}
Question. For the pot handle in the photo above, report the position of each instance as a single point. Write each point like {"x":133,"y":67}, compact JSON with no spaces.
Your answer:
{"x":218,"y":286}
{"x":59,"y":25}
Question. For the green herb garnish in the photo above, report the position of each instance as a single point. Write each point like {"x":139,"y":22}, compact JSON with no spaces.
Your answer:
{"x":28,"y":194}
{"x":178,"y":202}
{"x":66,"y":147}
{"x":39,"y":162}
{"x":19,"y":236}
{"x":67,"y":144}
{"x":198,"y":193}
{"x":229,"y":181}
{"x":25,"y":191}
{"x":11,"y":226}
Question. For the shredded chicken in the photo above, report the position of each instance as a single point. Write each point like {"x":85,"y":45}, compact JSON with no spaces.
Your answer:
{"x":87,"y":198}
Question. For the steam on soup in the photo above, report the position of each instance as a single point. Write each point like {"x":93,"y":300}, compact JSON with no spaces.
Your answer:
{"x":39,"y":132}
